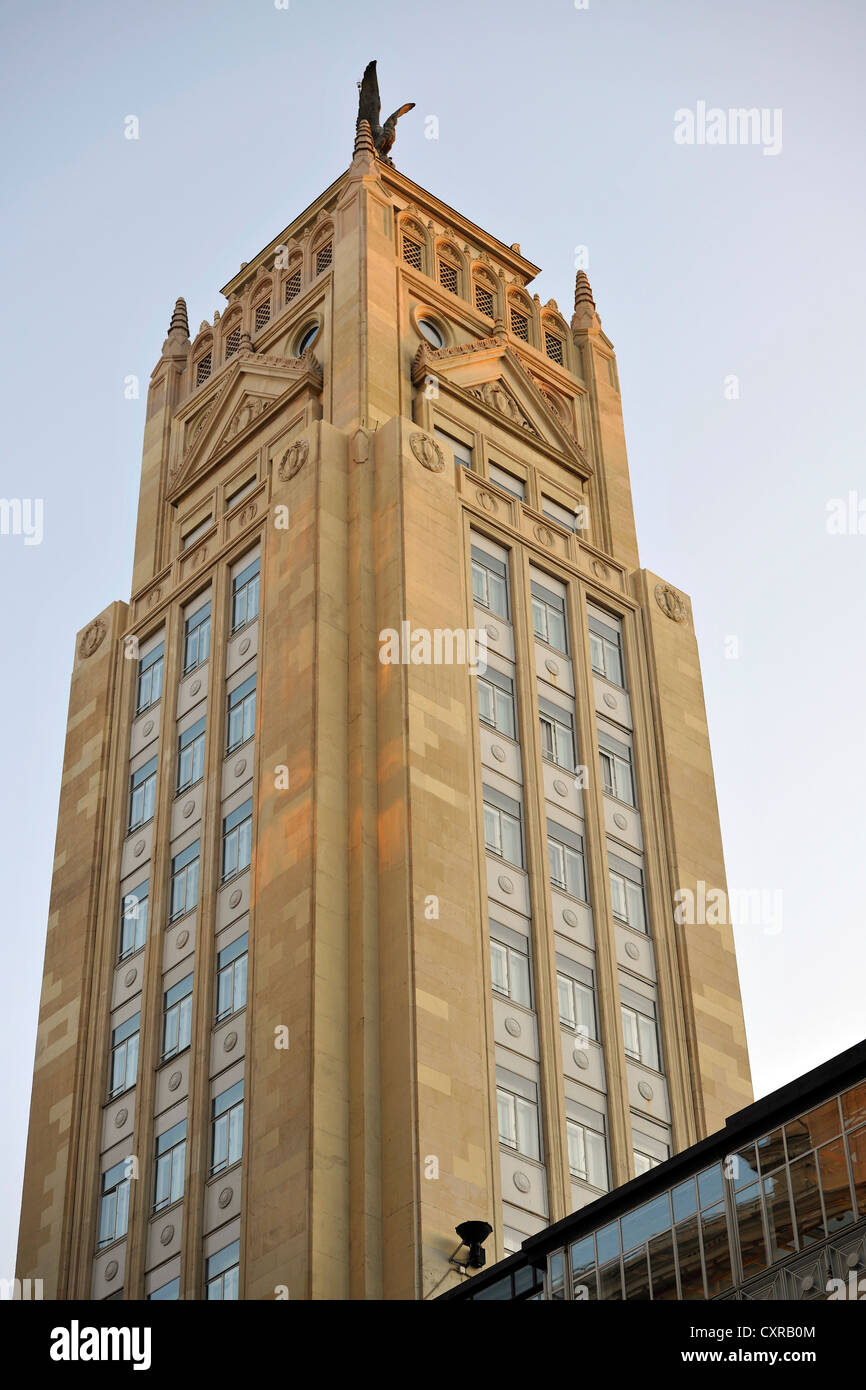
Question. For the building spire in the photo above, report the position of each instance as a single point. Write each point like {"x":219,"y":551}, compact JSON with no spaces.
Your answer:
{"x":363,"y":140}
{"x":180,"y":318}
{"x":177,"y":342}
{"x":585,"y":315}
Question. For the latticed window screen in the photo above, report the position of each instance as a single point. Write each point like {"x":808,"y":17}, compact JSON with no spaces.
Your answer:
{"x":520,"y":325}
{"x":448,"y":276}
{"x":553,"y":347}
{"x":293,"y":285}
{"x":233,"y":342}
{"x":263,"y":313}
{"x":324,"y":256}
{"x":203,"y":370}
{"x":411,"y":253}
{"x":484,"y":300}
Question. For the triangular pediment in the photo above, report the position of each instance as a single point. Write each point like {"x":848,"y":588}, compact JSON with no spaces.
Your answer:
{"x":247,"y":392}
{"x":491,"y":373}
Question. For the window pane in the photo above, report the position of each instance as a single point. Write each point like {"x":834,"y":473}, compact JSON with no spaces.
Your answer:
{"x":635,"y":912}
{"x":596,"y":1159}
{"x":630,"y":1033}
{"x":486,"y":708}
{"x":596,"y":651}
{"x":566,"y":1002}
{"x":617,"y":896}
{"x":771,"y":1151}
{"x":585,"y":1002}
{"x":504,"y":712}
{"x":857,"y":1151}
{"x":519,"y":972}
{"x":511,"y":848}
{"x":649,"y":1049}
{"x":507,"y":1125}
{"x":479,"y":584}
{"x":609,"y":1282}
{"x":539,"y":619}
{"x":636,"y":1275}
{"x":492,"y":837}
{"x":689,"y":1252}
{"x":527,"y":1127}
{"x":647,"y":1221}
{"x":564,"y":747}
{"x":717,"y":1255}
{"x":779,"y":1216}
{"x":556,"y":629}
{"x":583,"y":1270}
{"x":547,"y":747}
{"x":576,"y":1150}
{"x":613,"y":663}
{"x":835,"y":1186}
{"x":662,"y":1269}
{"x":753,"y":1251}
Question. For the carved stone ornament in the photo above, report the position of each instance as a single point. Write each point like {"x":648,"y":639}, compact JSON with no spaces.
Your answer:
{"x":121,"y":1117}
{"x":521,"y":1182}
{"x":246,"y":516}
{"x":92,"y":637}
{"x":182,"y":939}
{"x":174,"y":1080}
{"x":427,"y":452}
{"x":293,"y":460}
{"x":130,"y":977}
{"x":599,"y":569}
{"x":154,"y":596}
{"x":235,"y":898}
{"x":544,"y":535}
{"x":512,"y":1027}
{"x":225,"y":1197}
{"x":111,"y":1270}
{"x":230,"y":1042}
{"x":166,"y":1235}
{"x":631,"y":950}
{"x":670,"y":602}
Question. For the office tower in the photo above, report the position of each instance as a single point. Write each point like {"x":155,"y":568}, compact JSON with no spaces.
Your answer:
{"x":376,"y":796}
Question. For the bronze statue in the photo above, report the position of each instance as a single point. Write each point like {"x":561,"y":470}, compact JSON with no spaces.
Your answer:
{"x":369,"y":106}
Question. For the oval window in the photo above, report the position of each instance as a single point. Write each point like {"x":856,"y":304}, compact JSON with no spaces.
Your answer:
{"x":433,"y":335}
{"x":307,"y":338}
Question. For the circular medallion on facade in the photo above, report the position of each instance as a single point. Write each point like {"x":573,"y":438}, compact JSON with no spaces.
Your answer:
{"x":240,"y":767}
{"x":174,"y":1080}
{"x":111,"y":1270}
{"x":182,"y":939}
{"x":92,"y":637}
{"x":513,"y":1027}
{"x":609,"y":700}
{"x":166,"y":1235}
{"x":293,"y":460}
{"x":427,"y":452}
{"x":130,"y":977}
{"x":645,"y":1090}
{"x":581,"y":1058}
{"x":188,"y":808}
{"x":551,"y":666}
{"x":505,"y":883}
{"x":570,"y":918}
{"x":498,"y":753}
{"x":235,"y":898}
{"x":620,"y":820}
{"x":670,"y":602}
{"x":195,"y":687}
{"x":121,"y":1117}
{"x":560,"y":787}
{"x":147,"y":729}
{"x":488,"y":502}
{"x":521,"y":1182}
{"x":244,"y":646}
{"x":230,"y":1042}
{"x":225,"y":1197}
{"x":138,"y":848}
{"x":492,"y":632}
{"x":631,"y":950}
{"x":544,"y":535}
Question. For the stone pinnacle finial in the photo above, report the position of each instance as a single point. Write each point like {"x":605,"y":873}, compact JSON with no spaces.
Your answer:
{"x":363,"y":140}
{"x":180,"y":318}
{"x":582,"y":291}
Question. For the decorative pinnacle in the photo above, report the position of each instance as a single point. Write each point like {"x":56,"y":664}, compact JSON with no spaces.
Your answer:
{"x":179,"y":318}
{"x":582,"y":291}
{"x":363,"y":140}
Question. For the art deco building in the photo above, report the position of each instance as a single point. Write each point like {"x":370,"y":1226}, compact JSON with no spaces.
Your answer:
{"x":344,"y":951}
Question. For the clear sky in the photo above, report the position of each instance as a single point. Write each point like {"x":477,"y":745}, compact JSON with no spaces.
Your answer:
{"x":556,"y":129}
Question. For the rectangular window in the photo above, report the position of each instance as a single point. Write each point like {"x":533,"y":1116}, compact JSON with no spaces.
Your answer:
{"x":190,"y":537}
{"x":203,"y":369}
{"x":644,"y":1161}
{"x":640,"y":1032}
{"x":170,"y":1166}
{"x":177,"y":1017}
{"x":222,"y":1271}
{"x":616,"y":769}
{"x":196,"y":644}
{"x":508,"y":482}
{"x":557,"y":734}
{"x":587,"y":1155}
{"x":553,"y":347}
{"x":171,"y":1290}
{"x":133,"y":919}
{"x":190,"y":756}
{"x":548,"y":617}
{"x":518,"y":1122}
{"x":234,"y":497}
{"x":496,"y":701}
{"x":245,"y":596}
{"x":520,"y":325}
{"x":237,"y":840}
{"x":565,"y":855}
{"x":605,"y":646}
{"x":489,"y":583}
{"x":142,"y":795}
{"x":232,"y":978}
{"x":150,"y":678}
{"x":626,"y":893}
{"x":324,"y":256}
{"x":484,"y":301}
{"x":114,"y":1203}
{"x":227,"y":1129}
{"x":124,"y":1056}
{"x":448,"y":277}
{"x":293,"y":286}
{"x":554,"y":511}
{"x":575,"y":987}
{"x":509,"y":965}
{"x":241,"y":714}
{"x":184,"y":881}
{"x":502,"y":831}
{"x":411,"y":252}
{"x":233,"y":342}
{"x":462,"y":452}
{"x":263,"y":313}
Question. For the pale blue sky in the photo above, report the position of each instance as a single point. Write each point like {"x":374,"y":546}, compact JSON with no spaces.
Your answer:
{"x":555,"y":130}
